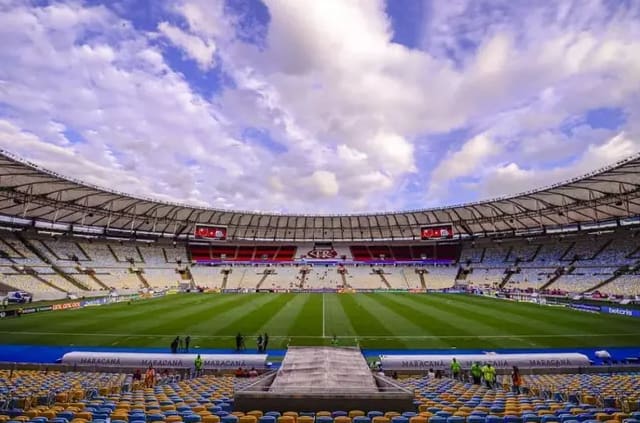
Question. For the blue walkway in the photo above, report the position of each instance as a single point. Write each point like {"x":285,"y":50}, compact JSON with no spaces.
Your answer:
{"x":50,"y":354}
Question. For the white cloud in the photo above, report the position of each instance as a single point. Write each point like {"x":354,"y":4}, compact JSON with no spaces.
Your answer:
{"x":202,"y":51}
{"x":348,"y":106}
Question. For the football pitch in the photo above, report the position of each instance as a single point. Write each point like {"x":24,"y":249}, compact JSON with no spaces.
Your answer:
{"x":376,"y":320}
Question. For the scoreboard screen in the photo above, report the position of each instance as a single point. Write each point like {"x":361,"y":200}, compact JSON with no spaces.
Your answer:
{"x":218,"y":233}
{"x":437,"y":232}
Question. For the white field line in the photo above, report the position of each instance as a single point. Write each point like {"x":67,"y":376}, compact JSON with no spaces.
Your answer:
{"x":537,"y":336}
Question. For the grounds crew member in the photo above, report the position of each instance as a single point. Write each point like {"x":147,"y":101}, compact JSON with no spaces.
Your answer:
{"x":476,"y":373}
{"x":489,"y":375}
{"x":198,"y":365}
{"x":456,"y":369}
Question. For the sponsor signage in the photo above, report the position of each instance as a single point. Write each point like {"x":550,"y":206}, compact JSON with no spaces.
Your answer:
{"x":621,"y":311}
{"x":164,"y":361}
{"x":66,"y":306}
{"x":499,"y":361}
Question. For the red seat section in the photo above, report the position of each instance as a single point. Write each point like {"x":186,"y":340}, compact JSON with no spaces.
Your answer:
{"x":286,"y":253}
{"x":360,"y":253}
{"x":245,"y":253}
{"x":226,"y":251}
{"x":378,"y":251}
{"x":200,"y":253}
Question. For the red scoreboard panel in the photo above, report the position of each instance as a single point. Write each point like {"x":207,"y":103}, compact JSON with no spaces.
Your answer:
{"x":218,"y":233}
{"x":437,"y":232}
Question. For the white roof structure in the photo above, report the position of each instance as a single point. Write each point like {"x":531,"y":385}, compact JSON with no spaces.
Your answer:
{"x":28,"y":192}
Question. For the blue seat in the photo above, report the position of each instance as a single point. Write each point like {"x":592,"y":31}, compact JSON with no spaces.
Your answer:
{"x":324,"y":419}
{"x":493,"y":419}
{"x":530,"y":418}
{"x":372,"y":414}
{"x":399,"y":419}
{"x":361,"y":419}
{"x":267,"y":419}
{"x":549,"y":418}
{"x":339,"y":413}
{"x":158,"y":417}
{"x":192,"y":418}
{"x":437,"y":419}
{"x":444,"y":414}
{"x":475,"y":418}
{"x":229,"y":418}
{"x":455,"y":419}
{"x":275,"y":414}
{"x":512,"y":419}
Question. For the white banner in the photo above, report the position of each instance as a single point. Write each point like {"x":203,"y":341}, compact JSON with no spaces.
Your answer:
{"x":164,"y":361}
{"x":499,"y":361}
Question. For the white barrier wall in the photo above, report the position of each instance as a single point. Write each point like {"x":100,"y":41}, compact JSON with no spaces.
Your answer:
{"x":499,"y":361}
{"x":164,"y":361}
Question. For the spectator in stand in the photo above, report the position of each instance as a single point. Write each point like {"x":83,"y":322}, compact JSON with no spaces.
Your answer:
{"x":253,"y":372}
{"x":516,"y":380}
{"x":137,"y":375}
{"x":150,"y":377}
{"x":431,"y":374}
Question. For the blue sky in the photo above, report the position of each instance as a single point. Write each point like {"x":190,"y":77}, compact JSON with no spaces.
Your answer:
{"x":336,"y":106}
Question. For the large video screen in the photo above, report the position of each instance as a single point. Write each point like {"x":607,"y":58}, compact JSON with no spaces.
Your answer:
{"x":218,"y":233}
{"x":437,"y":232}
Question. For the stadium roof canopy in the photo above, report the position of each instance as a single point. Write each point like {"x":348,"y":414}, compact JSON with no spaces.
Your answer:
{"x":30,"y":193}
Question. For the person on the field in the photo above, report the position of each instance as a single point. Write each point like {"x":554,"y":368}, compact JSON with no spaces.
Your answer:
{"x":260,"y":344}
{"x":265,"y":342}
{"x":187,"y":341}
{"x":476,"y":373}
{"x":198,"y":365}
{"x":456,"y":369}
{"x":516,"y":380}
{"x":180,"y":344}
{"x":174,"y":345}
{"x":334,"y":341}
{"x":238,"y":341}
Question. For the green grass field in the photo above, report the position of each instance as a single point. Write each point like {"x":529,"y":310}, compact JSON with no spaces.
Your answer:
{"x":381,"y":320}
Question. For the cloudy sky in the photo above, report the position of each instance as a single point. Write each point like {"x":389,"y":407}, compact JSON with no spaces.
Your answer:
{"x":320,"y":106}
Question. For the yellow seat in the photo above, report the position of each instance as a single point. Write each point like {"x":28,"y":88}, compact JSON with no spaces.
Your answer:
{"x":323,"y":414}
{"x":418,"y":419}
{"x":211,"y":419}
{"x":247,"y":419}
{"x":356,"y":413}
{"x":173,"y":419}
{"x":286,"y":419}
{"x":380,"y":419}
{"x":342,"y":419}
{"x":305,"y":419}
{"x":255,"y":413}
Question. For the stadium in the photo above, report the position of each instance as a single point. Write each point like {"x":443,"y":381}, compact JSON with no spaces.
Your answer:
{"x":122,"y":303}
